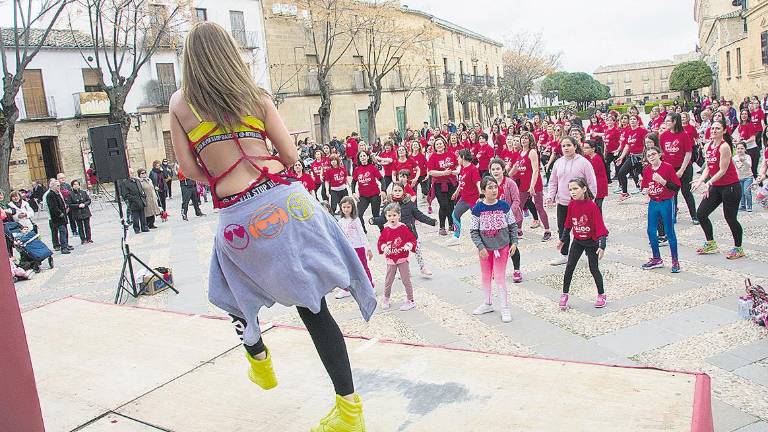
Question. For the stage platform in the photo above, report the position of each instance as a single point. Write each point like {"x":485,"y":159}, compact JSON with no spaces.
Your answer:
{"x":101,"y":367}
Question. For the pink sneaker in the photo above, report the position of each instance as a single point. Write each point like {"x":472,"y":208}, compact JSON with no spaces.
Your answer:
{"x":600,"y":302}
{"x":564,"y":301}
{"x":429,"y":209}
{"x":385,"y":304}
{"x":517,"y":276}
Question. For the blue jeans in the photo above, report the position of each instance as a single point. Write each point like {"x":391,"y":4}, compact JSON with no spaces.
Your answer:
{"x":63,"y":236}
{"x":458,"y":210}
{"x":746,"y":193}
{"x":666,"y":211}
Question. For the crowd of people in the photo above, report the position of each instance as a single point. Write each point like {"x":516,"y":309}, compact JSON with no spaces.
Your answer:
{"x":529,"y":167}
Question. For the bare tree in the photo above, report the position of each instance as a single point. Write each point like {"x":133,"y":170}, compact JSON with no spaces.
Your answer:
{"x":33,"y":21}
{"x":125,"y":35}
{"x":388,"y":36}
{"x":525,"y":60}
{"x":282,"y":81}
{"x":415,"y":77}
{"x":330,"y":26}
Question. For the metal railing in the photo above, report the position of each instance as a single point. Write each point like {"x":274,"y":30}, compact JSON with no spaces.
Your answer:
{"x":466,"y":79}
{"x":41,"y":108}
{"x":449,"y":78}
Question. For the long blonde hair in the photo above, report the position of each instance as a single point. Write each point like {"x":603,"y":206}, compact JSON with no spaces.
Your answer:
{"x":216,"y":80}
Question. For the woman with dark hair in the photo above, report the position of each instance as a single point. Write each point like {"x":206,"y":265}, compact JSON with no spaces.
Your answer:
{"x":611,"y":139}
{"x":261,"y":256}
{"x":467,"y":193}
{"x":631,"y":156}
{"x":677,"y":148}
{"x":336,"y":182}
{"x":531,"y":185}
{"x":442,"y":170}
{"x":589,"y":151}
{"x":721,"y":186}
{"x":79,"y":209}
{"x":367,"y":186}
{"x":748,"y":134}
{"x":387,"y":159}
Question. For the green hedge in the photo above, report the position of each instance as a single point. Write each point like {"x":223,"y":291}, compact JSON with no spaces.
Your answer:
{"x":650,"y":105}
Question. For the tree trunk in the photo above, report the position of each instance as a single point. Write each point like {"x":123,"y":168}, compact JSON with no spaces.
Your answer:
{"x":7,"y":129}
{"x":117,"y":114}
{"x":324,"y":112}
{"x":373,"y":109}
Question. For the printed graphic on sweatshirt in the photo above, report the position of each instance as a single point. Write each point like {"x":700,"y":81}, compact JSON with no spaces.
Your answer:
{"x":236,"y":236}
{"x":580,"y":226}
{"x":268,"y":222}
{"x":299,"y":206}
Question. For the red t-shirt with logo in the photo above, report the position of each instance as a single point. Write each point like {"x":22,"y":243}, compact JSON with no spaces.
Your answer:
{"x":306,"y":179}
{"x":469,"y":176}
{"x":388,"y":167}
{"x":748,"y":130}
{"x":525,"y":170}
{"x":636,"y":140}
{"x":409,"y":165}
{"x":675,"y":146}
{"x":421,"y":162}
{"x":657,"y":191}
{"x":366,"y":177}
{"x":611,"y":137}
{"x":484,"y":154}
{"x":585,"y":220}
{"x":317,"y":168}
{"x":600,"y":176}
{"x":712,"y":153}
{"x":351,"y":147}
{"x":336,"y":176}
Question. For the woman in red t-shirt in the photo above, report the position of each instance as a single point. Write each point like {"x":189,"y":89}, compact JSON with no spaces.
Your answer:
{"x":403,"y":162}
{"x":531,"y":187}
{"x":466,"y":194}
{"x":677,"y":148}
{"x":387,"y":159}
{"x":366,"y":179}
{"x":748,"y":133}
{"x":550,"y":150}
{"x":306,"y":179}
{"x":631,"y":156}
{"x":417,"y":155}
{"x":317,"y":167}
{"x":442,"y":170}
{"x":590,"y":152}
{"x":721,"y":186}
{"x":511,"y":152}
{"x":336,"y":182}
{"x":498,"y":138}
{"x":611,"y":141}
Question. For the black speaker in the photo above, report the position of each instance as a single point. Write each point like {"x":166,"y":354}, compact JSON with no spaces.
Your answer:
{"x":108,"y":150}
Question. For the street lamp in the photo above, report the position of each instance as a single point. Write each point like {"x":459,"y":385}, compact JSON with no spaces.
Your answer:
{"x":372,"y":97}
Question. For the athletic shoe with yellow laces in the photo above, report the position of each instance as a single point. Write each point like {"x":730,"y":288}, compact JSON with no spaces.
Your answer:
{"x":346,"y":416}
{"x":709,"y":247}
{"x":735,"y":253}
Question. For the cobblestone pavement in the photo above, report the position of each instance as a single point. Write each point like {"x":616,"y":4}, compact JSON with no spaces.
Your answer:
{"x":683,"y":321}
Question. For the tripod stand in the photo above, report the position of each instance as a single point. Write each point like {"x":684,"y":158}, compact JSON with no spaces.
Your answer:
{"x":127,"y":282}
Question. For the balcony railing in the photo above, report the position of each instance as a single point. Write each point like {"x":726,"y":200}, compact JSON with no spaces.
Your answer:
{"x":466,"y":79}
{"x":479,"y":80}
{"x":42,"y":109}
{"x":312,"y":85}
{"x":490,"y":81}
{"x":449,"y":78}
{"x":91,"y":103}
{"x":246,"y":39}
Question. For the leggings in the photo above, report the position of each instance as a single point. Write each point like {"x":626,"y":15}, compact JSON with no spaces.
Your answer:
{"x":562,"y":212}
{"x":336,"y":196}
{"x":419,"y":256}
{"x":84,"y":227}
{"x":666,"y":211}
{"x":599,"y":202}
{"x":685,"y":189}
{"x":577,"y":248}
{"x":362,"y":207}
{"x":632,"y":166}
{"x":425,"y":183}
{"x":446,"y":203}
{"x":387,"y":181}
{"x":538,"y":199}
{"x":610,"y":158}
{"x":729,"y":196}
{"x":494,"y":267}
{"x":405,"y":277}
{"x":516,"y":259}
{"x":531,"y":208}
{"x":328,"y":341}
{"x":460,"y":208}
{"x":754,"y":154}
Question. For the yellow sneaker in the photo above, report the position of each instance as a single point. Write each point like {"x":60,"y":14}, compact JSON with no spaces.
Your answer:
{"x":261,"y":372}
{"x":346,"y":416}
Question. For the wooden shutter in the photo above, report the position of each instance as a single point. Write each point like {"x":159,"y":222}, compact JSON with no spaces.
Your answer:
{"x":34,"y":94}
{"x":167,"y":80}
{"x":764,"y":46}
{"x":91,"y":79}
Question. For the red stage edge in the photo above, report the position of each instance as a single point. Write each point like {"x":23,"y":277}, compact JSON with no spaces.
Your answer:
{"x":702,"y":405}
{"x":19,"y":403}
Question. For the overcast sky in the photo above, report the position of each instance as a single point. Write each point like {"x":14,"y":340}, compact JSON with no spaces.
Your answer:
{"x":589,"y":33}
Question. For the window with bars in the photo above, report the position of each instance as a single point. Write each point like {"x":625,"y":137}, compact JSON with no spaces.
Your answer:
{"x":201,"y":14}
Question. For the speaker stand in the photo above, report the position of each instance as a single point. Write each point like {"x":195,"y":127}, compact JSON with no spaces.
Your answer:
{"x":127,"y":282}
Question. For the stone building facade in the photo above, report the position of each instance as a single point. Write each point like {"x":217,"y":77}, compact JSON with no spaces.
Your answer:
{"x":641,"y":82}
{"x":456,"y":54}
{"x":734,"y":42}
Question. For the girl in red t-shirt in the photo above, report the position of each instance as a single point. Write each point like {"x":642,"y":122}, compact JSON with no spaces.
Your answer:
{"x":336,"y":182}
{"x":441,"y":169}
{"x":611,"y":137}
{"x":366,"y":179}
{"x":499,"y":139}
{"x":590,"y":152}
{"x":387,"y":159}
{"x":748,"y":133}
{"x":531,"y":187}
{"x":404,"y":162}
{"x":721,"y":186}
{"x":661,"y":183}
{"x":417,"y":155}
{"x":589,"y":235}
{"x":466,"y":194}
{"x":631,"y":156}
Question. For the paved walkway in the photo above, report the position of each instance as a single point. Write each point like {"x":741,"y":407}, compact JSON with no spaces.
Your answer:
{"x":686,"y":321}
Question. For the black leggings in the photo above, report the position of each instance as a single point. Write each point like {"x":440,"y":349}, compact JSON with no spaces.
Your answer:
{"x":632,"y":166}
{"x":577,"y":248}
{"x":328,"y":340}
{"x":387,"y":182}
{"x":562,"y":212}
{"x":425,"y":183}
{"x":336,"y":197}
{"x":685,"y":189}
{"x":609,"y":159}
{"x":531,"y":208}
{"x":516,"y":258}
{"x":754,"y":154}
{"x":84,"y":228}
{"x":729,"y":196}
{"x":445,"y":201}
{"x":362,"y":207}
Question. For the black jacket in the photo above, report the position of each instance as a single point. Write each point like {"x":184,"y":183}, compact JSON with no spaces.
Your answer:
{"x":157,"y":175}
{"x":57,"y":208}
{"x":133,"y":194}
{"x":409,"y":214}
{"x":77,"y":197}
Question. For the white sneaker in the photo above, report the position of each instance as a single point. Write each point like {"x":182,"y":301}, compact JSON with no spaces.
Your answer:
{"x":483,"y":309}
{"x":506,"y":315}
{"x":452,"y":241}
{"x":340,"y":294}
{"x":426,"y":273}
{"x":385,"y":304}
{"x":408,"y":305}
{"x":560,"y":260}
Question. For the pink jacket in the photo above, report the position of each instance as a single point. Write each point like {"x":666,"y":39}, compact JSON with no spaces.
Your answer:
{"x":566,"y":169}
{"x":512,"y":197}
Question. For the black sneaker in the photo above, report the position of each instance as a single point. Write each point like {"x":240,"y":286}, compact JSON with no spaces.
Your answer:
{"x":57,"y":248}
{"x":65,"y":252}
{"x":547,"y":236}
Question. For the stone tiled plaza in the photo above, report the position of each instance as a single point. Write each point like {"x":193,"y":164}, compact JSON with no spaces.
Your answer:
{"x":685,"y":321}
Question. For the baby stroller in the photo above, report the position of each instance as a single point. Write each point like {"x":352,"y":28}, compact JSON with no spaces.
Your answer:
{"x":32,"y":251}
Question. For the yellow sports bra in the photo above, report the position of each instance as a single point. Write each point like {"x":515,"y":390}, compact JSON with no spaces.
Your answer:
{"x":208,"y":132}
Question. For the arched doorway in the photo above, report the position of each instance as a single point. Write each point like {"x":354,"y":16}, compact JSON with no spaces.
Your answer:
{"x":43,"y":158}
